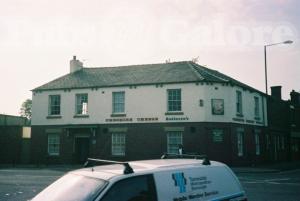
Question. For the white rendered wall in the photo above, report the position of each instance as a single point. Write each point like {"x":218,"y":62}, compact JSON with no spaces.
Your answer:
{"x":147,"y":101}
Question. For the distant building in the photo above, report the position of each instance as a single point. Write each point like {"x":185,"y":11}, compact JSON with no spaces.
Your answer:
{"x":14,"y":140}
{"x":141,"y":111}
{"x":283,"y":136}
{"x":295,"y":125}
{"x":278,"y":136}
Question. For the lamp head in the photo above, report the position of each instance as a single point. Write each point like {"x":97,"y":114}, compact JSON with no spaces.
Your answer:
{"x":288,"y":42}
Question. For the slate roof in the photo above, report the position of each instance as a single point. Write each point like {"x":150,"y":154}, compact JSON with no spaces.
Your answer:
{"x":145,"y":74}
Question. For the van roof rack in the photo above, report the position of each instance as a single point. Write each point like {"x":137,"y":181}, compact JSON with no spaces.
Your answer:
{"x":91,"y":162}
{"x":195,"y":156}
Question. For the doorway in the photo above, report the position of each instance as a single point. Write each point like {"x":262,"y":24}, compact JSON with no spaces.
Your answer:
{"x":82,"y":145}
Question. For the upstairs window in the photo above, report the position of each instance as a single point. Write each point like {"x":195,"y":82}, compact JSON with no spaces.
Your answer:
{"x":239,"y":103}
{"x":118,"y":102}
{"x":174,"y":100}
{"x":54,"y":105}
{"x":256,"y":107}
{"x":82,"y":104}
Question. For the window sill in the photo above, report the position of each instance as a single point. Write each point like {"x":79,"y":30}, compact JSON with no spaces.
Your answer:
{"x":53,"y":117}
{"x":53,"y":155}
{"x":174,"y":113}
{"x":81,"y":116}
{"x":239,"y":115}
{"x":118,"y":115}
{"x":238,"y":119}
{"x":218,"y":114}
{"x":118,"y":156}
{"x":250,"y":121}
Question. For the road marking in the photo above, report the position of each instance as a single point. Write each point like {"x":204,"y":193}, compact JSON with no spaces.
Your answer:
{"x":275,"y":181}
{"x":272,"y":182}
{"x":253,"y":182}
{"x":279,"y":179}
{"x":50,"y":176}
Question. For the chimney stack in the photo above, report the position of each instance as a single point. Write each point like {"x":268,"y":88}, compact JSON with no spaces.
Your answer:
{"x":276,"y":92}
{"x":295,"y":97}
{"x":75,"y":65}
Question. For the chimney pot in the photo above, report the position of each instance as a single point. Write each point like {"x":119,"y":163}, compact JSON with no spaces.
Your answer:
{"x":276,"y":92}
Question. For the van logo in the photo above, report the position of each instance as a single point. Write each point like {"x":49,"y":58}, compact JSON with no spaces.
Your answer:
{"x":180,"y":181}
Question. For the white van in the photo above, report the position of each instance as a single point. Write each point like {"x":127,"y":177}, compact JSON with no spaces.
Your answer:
{"x":149,"y":180}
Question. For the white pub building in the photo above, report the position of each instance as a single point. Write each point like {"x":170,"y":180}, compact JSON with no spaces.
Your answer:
{"x":141,"y":111}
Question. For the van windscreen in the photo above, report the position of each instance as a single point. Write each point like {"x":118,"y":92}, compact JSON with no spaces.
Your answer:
{"x":72,"y":187}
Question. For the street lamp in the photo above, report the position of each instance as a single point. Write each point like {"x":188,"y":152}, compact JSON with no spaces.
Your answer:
{"x":265,"y":48}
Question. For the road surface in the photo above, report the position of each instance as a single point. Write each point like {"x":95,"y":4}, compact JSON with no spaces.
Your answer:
{"x":22,"y":184}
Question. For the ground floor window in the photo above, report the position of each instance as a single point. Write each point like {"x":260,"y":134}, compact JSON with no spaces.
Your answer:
{"x":240,"y":141}
{"x":174,"y":140}
{"x":257,"y":143}
{"x":118,"y":144}
{"x":295,"y":146}
{"x":278,"y":142}
{"x":267,"y":142}
{"x":282,"y":143}
{"x":53,"y":144}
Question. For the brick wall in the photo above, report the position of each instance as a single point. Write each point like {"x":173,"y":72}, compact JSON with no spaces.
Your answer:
{"x":10,"y":144}
{"x":149,"y":141}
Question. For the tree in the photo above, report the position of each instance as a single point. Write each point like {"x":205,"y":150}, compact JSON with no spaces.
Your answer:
{"x":25,"y":110}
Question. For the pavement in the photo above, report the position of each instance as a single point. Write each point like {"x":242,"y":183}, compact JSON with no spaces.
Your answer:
{"x":265,"y":168}
{"x":62,"y":168}
{"x":268,"y":168}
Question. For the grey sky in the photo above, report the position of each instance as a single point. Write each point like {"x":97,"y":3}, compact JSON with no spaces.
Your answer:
{"x":38,"y":38}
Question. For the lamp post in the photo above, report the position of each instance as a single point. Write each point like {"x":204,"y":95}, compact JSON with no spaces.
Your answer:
{"x":265,"y":49}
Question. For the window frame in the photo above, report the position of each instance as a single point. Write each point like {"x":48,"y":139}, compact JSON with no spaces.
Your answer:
{"x":118,"y":103}
{"x":56,"y":144}
{"x":170,"y":149}
{"x":239,"y":103}
{"x":256,"y":107}
{"x":174,"y":104}
{"x":118,"y":144}
{"x":50,"y":105}
{"x":79,"y":103}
